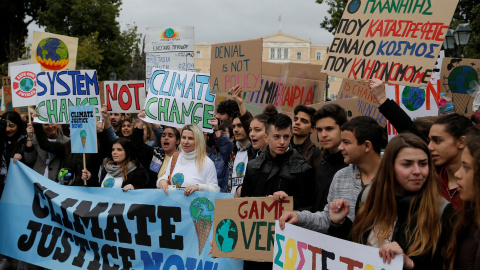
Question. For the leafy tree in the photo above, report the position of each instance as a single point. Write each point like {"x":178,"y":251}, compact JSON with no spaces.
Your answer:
{"x":335,"y":11}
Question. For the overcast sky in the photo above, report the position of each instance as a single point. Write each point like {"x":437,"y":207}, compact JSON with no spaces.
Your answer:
{"x":226,"y":20}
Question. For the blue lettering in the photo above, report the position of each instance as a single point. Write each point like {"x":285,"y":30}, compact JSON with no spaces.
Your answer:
{"x":202,"y":79}
{"x":41,"y":84}
{"x":380,"y":47}
{"x":91,"y":81}
{"x":80,"y":85}
{"x":62,"y":83}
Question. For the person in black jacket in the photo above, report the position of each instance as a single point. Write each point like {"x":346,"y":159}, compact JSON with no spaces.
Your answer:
{"x":401,"y":212}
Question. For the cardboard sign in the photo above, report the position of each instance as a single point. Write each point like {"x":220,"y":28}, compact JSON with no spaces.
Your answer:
{"x":59,"y":90}
{"x":367,"y":105}
{"x":83,"y":131}
{"x":24,"y":85}
{"x":6,"y":81}
{"x":125,"y":96}
{"x":298,"y":248}
{"x":236,"y":63}
{"x":459,"y":80}
{"x":178,"y":98}
{"x":67,"y":227}
{"x":54,"y":52}
{"x":244,"y":227}
{"x":7,"y":104}
{"x":395,"y":41}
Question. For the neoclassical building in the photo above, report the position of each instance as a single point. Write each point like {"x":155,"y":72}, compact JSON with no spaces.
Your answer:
{"x":278,"y":48}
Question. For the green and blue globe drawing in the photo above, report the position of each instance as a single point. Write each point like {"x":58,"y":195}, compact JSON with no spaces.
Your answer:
{"x":413,"y":98}
{"x":240,"y":169}
{"x":109,"y":182}
{"x":26,"y":84}
{"x":463,"y":80}
{"x":202,"y":209}
{"x":354,"y":6}
{"x":226,"y":235}
{"x":178,"y":179}
{"x":169,"y":32}
{"x":52,"y":54}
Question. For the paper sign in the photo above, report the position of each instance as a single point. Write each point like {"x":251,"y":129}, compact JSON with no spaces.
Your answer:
{"x":59,"y":90}
{"x":179,"y":98}
{"x":83,"y":131}
{"x":244,"y":227}
{"x":460,"y":77}
{"x":298,"y":248}
{"x":66,"y":227}
{"x":54,"y":52}
{"x":236,"y":63}
{"x":395,"y":41}
{"x":17,"y":63}
{"x":125,"y":96}
{"x":24,"y":85}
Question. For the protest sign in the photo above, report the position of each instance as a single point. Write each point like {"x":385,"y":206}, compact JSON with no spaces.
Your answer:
{"x":367,"y":105}
{"x":124,"y":96}
{"x":83,"y":131}
{"x":179,"y":98}
{"x":298,"y":248}
{"x":24,"y":85}
{"x":236,"y":63}
{"x":7,"y":101}
{"x":459,"y":80}
{"x":244,"y":227}
{"x":169,"y":48}
{"x":395,"y":41}
{"x":66,"y":227}
{"x":17,"y":63}
{"x":54,"y":52}
{"x":59,"y":90}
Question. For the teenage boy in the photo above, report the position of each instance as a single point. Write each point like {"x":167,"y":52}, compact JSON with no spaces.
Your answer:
{"x":362,"y":140}
{"x":226,"y":111}
{"x":115,"y":120}
{"x":303,"y":126}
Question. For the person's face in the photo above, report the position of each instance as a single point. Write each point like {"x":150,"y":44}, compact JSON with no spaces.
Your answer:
{"x":465,"y":176}
{"x":238,"y":130}
{"x":328,"y":133}
{"x":188,"y":141}
{"x":115,"y":118}
{"x":223,"y":118}
{"x":169,"y":141}
{"x":118,"y":153}
{"x":128,"y":115}
{"x":257,"y":134}
{"x":443,"y":146}
{"x":127,"y":129}
{"x":301,"y":125}
{"x":51,"y":130}
{"x":227,"y":134}
{"x":351,"y":151}
{"x":278,"y":140}
{"x":411,"y":170}
{"x":12,"y":128}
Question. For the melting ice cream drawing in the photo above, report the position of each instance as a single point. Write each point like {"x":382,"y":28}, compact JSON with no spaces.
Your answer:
{"x":201,"y":210}
{"x":83,"y":135}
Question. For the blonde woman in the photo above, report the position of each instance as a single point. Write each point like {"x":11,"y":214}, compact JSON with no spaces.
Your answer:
{"x":192,"y":170}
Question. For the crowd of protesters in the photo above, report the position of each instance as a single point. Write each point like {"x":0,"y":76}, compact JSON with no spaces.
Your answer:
{"x":415,"y":195}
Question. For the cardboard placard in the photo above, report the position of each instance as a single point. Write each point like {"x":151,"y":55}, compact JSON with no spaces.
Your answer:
{"x":236,"y":63}
{"x":124,"y":96}
{"x":6,"y":81}
{"x":7,"y":104}
{"x":178,"y":98}
{"x":59,"y":90}
{"x":460,"y":82}
{"x":395,"y":41}
{"x":54,"y":52}
{"x":83,"y":131}
{"x":367,"y":105}
{"x":299,"y":248}
{"x":244,"y":227}
{"x":24,"y":85}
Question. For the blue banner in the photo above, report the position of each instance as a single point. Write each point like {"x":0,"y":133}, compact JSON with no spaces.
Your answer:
{"x":66,"y":227}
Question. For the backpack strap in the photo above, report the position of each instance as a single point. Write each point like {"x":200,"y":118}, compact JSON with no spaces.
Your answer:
{"x":174,"y":162}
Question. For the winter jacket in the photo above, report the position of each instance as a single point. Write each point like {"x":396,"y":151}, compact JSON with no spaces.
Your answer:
{"x":306,"y":149}
{"x":220,"y":155}
{"x":136,"y":177}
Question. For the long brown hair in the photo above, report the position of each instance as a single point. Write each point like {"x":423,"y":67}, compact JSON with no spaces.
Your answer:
{"x":125,"y":143}
{"x":469,"y":212}
{"x":380,"y":209}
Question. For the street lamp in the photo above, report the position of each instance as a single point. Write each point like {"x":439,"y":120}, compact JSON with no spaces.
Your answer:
{"x":112,"y":76}
{"x":458,"y":38}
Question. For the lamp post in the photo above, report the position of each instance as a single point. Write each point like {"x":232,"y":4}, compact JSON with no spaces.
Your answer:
{"x":457,"y":39}
{"x":112,"y":76}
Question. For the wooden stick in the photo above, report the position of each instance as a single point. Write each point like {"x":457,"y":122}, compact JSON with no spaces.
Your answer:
{"x":29,"y":116}
{"x":85,"y":168}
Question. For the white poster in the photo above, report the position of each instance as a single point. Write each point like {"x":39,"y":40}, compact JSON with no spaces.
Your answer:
{"x":24,"y":85}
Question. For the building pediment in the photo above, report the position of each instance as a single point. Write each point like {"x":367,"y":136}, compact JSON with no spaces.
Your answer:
{"x":283,"y":37}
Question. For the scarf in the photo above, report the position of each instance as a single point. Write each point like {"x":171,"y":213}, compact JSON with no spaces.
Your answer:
{"x":189,"y":156}
{"x":115,"y":170}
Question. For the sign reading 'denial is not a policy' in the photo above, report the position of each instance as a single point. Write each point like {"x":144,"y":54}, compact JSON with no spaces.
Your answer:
{"x":396,"y":41}
{"x":124,"y":96}
{"x":236,"y":63}
{"x":178,"y":98}
{"x":58,"y":90}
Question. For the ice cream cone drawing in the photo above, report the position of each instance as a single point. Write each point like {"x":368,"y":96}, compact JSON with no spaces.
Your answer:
{"x":201,"y":210}
{"x":83,"y":136}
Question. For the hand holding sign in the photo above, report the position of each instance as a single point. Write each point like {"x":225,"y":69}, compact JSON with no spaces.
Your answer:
{"x":339,"y":209}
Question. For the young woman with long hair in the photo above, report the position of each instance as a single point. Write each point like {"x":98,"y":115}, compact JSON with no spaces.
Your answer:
{"x":193,"y":170}
{"x":401,"y":211}
{"x":462,"y":252}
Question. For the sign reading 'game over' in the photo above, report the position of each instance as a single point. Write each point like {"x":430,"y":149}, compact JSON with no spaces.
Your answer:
{"x":396,"y":41}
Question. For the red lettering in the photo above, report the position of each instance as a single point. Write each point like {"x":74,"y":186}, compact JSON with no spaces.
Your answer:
{"x":244,"y":215}
{"x":309,"y":98}
{"x":124,"y":105}
{"x":370,"y":27}
{"x":352,"y":69}
{"x":315,"y":251}
{"x":136,"y":87}
{"x":111,"y":95}
{"x":253,"y":210}
{"x":351,"y":264}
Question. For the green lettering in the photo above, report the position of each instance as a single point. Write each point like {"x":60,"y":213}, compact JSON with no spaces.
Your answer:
{"x":271,"y":235}
{"x":163,"y":109}
{"x":279,"y":238}
{"x":63,"y":110}
{"x":259,"y":236}
{"x":174,"y":111}
{"x":186,"y":112}
{"x":207,"y":115}
{"x":52,"y":111}
{"x":147,"y":108}
{"x":429,"y":6}
{"x":196,"y":119}
{"x":249,"y":241}
{"x":41,"y":104}
{"x":94,"y":102}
